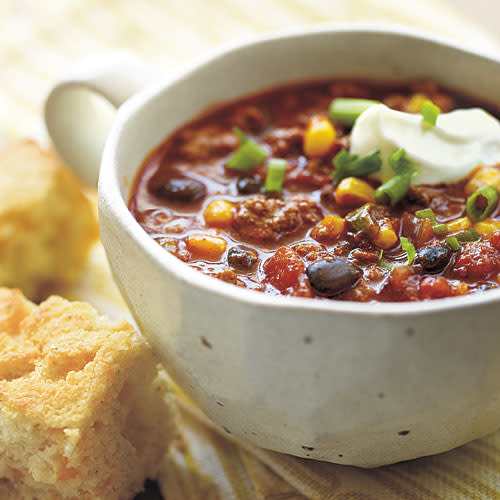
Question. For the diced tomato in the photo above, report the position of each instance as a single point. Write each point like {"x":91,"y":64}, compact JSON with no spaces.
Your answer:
{"x":435,"y":287}
{"x":285,"y":270}
{"x":495,"y":240}
{"x":404,"y":283}
{"x":479,"y":260}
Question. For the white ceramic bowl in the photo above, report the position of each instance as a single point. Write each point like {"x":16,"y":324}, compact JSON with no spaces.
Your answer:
{"x":360,"y":384}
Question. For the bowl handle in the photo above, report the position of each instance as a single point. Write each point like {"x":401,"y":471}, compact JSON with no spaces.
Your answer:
{"x":80,"y":107}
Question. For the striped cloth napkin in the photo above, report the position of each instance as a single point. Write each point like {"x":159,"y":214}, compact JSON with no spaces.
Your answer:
{"x":39,"y":40}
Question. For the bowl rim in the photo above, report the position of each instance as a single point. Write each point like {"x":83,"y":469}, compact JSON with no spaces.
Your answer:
{"x":111,"y":199}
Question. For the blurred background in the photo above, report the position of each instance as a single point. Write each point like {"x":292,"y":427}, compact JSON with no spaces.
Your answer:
{"x":39,"y":41}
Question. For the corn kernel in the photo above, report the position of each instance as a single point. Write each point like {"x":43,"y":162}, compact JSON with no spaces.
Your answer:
{"x":386,"y":237}
{"x":459,"y":288}
{"x":415,"y":103}
{"x":482,"y":177}
{"x":353,"y":192}
{"x":460,"y":224}
{"x":319,"y":137}
{"x":329,"y":229}
{"x":205,"y":246}
{"x":219,"y":213}
{"x":487,"y":226}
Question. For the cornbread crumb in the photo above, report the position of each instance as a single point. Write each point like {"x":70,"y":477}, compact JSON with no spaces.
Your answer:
{"x":84,"y":413}
{"x":47,"y":224}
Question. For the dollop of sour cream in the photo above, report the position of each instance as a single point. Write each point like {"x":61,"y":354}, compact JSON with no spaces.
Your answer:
{"x":448,"y":152}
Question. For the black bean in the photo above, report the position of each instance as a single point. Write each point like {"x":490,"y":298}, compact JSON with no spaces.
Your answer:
{"x":248,"y":185}
{"x":242,"y":258}
{"x":332,"y":277}
{"x":433,"y":259}
{"x":181,"y":189}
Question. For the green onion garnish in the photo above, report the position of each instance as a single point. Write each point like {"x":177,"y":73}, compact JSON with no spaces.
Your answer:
{"x":345,"y":110}
{"x":396,"y":187}
{"x":401,"y":165}
{"x":348,"y":165}
{"x":430,"y":112}
{"x":463,"y":237}
{"x":240,"y":135}
{"x":393,"y":190}
{"x":481,"y":203}
{"x":453,"y":242}
{"x":440,"y":229}
{"x":249,"y":155}
{"x":275,"y":174}
{"x":409,"y":248}
{"x":384,"y":264}
{"x":427,"y":213}
{"x":362,"y":220}
{"x":467,"y":236}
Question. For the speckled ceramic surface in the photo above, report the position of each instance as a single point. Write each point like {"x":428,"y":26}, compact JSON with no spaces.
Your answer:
{"x":360,"y":384}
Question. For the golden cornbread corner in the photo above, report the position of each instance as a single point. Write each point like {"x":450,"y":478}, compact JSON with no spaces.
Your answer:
{"x":47,"y":223}
{"x":84,"y":411}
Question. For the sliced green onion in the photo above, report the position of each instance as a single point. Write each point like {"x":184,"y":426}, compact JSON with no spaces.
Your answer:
{"x":481,"y":203}
{"x":400,"y":164}
{"x":453,"y":242}
{"x":384,"y":264}
{"x":440,"y":229}
{"x":361,"y":219}
{"x":426,"y":213}
{"x":345,"y":110}
{"x":240,"y":135}
{"x":275,"y":174}
{"x":388,"y":266}
{"x":467,"y":236}
{"x":348,"y":165}
{"x":430,"y":112}
{"x":393,"y":190}
{"x":249,"y":155}
{"x":396,"y":187}
{"x":408,"y":248}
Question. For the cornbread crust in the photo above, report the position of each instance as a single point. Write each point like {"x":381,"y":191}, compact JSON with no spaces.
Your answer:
{"x":84,"y":413}
{"x":46,"y":221}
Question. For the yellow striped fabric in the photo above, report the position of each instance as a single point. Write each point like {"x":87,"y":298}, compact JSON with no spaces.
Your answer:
{"x":471,"y":472}
{"x":39,"y":40}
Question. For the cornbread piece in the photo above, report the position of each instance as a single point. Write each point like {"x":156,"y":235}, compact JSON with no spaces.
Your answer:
{"x":84,"y":413}
{"x":46,"y":222}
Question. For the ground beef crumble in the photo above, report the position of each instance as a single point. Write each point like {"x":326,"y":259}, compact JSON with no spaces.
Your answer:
{"x":269,"y":219}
